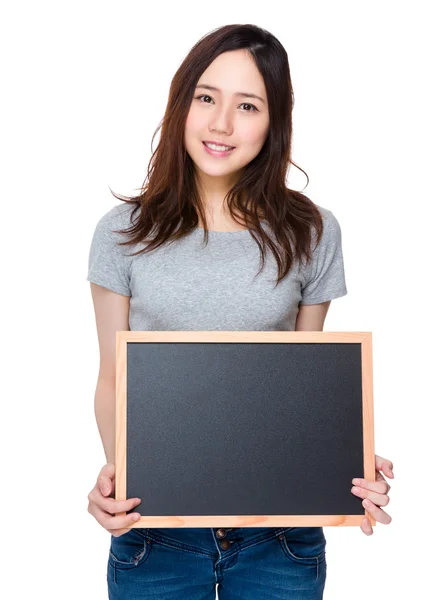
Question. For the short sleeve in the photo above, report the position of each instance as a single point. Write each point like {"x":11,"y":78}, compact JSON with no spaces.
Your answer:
{"x":108,"y":264}
{"x":324,"y":275}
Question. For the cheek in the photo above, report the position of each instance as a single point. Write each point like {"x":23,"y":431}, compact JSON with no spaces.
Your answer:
{"x":190,"y":133}
{"x":254,"y":137}
{"x":252,"y":144}
{"x":193,"y":123}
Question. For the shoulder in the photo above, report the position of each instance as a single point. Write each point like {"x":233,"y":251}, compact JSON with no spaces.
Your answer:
{"x":124,"y":212}
{"x":331,"y":226}
{"x":118,"y":217}
{"x":330,"y":221}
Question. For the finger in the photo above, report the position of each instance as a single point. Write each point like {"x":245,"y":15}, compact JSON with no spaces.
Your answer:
{"x":118,"y":522}
{"x":366,"y":527}
{"x":380,"y":477}
{"x":384,"y":465}
{"x":112,"y":506}
{"x":380,"y":486}
{"x":378,"y":499}
{"x":385,"y":484}
{"x":105,"y":479}
{"x":110,"y":522}
{"x":377,"y":513}
{"x":105,"y":487}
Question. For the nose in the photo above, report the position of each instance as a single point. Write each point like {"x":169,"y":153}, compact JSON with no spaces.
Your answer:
{"x":222,"y":123}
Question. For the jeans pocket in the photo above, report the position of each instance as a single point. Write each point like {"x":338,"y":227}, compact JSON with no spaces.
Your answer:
{"x":304,"y":545}
{"x":130,"y":549}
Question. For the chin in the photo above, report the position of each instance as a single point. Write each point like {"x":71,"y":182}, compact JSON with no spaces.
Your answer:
{"x":215,"y":172}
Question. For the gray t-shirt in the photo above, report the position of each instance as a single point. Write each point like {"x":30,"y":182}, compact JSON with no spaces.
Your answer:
{"x":185,"y":285}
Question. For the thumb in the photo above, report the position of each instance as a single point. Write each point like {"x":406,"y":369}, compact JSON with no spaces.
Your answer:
{"x":105,"y":479}
{"x":385,"y":465}
{"x":389,"y":469}
{"x":106,"y":487}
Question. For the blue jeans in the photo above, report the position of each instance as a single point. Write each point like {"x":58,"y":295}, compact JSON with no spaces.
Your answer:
{"x":259,"y":563}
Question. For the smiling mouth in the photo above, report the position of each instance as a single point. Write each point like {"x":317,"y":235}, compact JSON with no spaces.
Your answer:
{"x":221,"y":147}
{"x":218,"y":153}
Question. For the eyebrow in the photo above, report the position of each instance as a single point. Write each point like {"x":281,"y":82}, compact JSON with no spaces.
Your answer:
{"x":243,"y":94}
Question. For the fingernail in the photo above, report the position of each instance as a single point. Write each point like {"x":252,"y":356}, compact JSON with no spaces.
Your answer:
{"x":105,"y":489}
{"x":137,"y":516}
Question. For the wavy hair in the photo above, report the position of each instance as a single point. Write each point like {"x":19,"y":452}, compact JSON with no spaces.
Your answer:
{"x":169,"y":200}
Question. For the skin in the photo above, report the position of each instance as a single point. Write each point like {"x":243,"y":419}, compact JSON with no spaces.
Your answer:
{"x":375,"y":494}
{"x":232,"y":120}
{"x":104,"y":508}
{"x":312,"y":318}
{"x":112,"y":313}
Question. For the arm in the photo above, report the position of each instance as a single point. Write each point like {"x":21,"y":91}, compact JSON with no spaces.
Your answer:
{"x":311,"y":317}
{"x":111,"y":314}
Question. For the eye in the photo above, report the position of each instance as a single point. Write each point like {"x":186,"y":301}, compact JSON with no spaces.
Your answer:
{"x":248,"y":104}
{"x":254,"y":109}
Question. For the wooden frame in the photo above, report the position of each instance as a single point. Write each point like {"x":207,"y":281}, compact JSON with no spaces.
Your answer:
{"x":362,"y":338}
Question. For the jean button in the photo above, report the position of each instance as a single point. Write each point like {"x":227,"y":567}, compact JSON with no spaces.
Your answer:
{"x":220,"y":533}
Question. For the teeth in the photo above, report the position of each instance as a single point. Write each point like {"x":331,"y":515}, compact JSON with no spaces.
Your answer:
{"x":220,"y":148}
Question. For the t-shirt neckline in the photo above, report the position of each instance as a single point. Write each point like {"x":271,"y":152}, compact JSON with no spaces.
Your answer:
{"x":212,"y":232}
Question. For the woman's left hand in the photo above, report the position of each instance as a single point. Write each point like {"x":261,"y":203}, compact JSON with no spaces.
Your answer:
{"x":375,"y":494}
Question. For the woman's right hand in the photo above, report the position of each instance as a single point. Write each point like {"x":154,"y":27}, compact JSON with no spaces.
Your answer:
{"x":104,"y":507}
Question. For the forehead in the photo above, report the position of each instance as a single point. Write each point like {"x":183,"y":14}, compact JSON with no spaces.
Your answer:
{"x":233,"y":72}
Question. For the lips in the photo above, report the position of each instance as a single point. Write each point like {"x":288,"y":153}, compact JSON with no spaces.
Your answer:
{"x":218,"y":144}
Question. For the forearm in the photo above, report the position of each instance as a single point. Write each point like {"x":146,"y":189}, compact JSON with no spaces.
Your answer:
{"x":105,"y":407}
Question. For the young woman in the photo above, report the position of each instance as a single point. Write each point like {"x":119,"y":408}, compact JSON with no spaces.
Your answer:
{"x":216,"y":241}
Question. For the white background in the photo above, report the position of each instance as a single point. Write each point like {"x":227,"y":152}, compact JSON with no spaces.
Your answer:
{"x":84,"y":87}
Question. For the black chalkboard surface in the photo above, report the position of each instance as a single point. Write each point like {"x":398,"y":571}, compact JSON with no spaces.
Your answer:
{"x":243,"y":428}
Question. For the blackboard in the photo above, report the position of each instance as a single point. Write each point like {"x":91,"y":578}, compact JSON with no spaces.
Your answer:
{"x":244,"y":429}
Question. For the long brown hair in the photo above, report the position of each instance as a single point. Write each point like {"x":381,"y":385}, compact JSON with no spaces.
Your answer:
{"x":169,"y":202}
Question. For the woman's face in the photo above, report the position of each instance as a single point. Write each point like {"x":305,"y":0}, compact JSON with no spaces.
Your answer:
{"x":227,"y":115}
